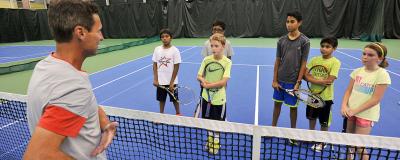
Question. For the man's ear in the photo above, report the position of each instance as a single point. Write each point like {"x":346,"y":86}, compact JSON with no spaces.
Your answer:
{"x":79,"y":32}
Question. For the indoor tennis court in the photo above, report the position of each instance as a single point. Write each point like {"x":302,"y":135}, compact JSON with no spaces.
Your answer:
{"x":121,"y":76}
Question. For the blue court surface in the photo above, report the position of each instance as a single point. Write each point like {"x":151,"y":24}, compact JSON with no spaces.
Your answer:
{"x":129,"y":85}
{"x":18,"y":53}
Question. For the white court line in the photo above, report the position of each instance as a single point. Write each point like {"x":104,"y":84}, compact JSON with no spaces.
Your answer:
{"x":257,"y":93}
{"x":119,"y":65}
{"x":130,"y":72}
{"x":310,"y":48}
{"x":347,"y":69}
{"x":256,"y":65}
{"x":398,"y":91}
{"x":11,"y":123}
{"x":247,"y":65}
{"x":393,"y":59}
{"x":132,"y":61}
{"x":387,"y":70}
{"x":361,"y":50}
{"x":22,"y":145}
{"x":127,"y":89}
{"x":15,"y":148}
{"x":122,"y":77}
{"x":360,"y":60}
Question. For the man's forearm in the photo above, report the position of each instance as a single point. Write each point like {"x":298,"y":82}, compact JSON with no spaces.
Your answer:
{"x":302,"y":71}
{"x":174,"y":73}
{"x":276,"y":65}
{"x":155,"y":74}
{"x":103,"y":118}
{"x":45,"y":144}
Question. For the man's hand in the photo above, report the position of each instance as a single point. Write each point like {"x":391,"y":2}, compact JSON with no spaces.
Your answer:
{"x":204,"y":84}
{"x":106,"y":138}
{"x":349,"y":113}
{"x":296,"y":86}
{"x":155,"y":83}
{"x":276,"y":86}
{"x":326,"y":82}
{"x":171,"y":87}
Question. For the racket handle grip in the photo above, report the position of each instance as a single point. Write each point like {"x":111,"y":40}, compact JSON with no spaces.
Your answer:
{"x":344,"y":126}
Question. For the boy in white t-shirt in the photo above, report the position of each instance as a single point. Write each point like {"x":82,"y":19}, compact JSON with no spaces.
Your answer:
{"x":166,"y":59}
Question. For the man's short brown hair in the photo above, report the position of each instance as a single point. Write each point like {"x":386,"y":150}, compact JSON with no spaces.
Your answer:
{"x":65,"y":15}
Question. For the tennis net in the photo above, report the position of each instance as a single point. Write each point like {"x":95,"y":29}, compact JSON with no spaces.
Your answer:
{"x":145,"y":135}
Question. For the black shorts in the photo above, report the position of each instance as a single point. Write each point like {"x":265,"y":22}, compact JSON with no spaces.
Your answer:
{"x":323,"y":114}
{"x":162,"y":94}
{"x":214,"y":112}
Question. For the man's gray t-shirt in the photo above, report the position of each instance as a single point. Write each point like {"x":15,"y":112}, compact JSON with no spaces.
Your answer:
{"x":228,"y":51}
{"x":61,"y":100}
{"x":291,"y":53}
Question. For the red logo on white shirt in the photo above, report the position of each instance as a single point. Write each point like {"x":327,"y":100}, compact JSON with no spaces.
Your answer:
{"x":164,"y":61}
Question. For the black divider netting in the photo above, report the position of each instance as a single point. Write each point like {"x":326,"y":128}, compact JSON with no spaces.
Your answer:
{"x":281,"y":148}
{"x":28,"y":65}
{"x":14,"y":131}
{"x":142,"y":139}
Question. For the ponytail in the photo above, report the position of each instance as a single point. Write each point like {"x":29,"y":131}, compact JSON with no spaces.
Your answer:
{"x":384,"y":63}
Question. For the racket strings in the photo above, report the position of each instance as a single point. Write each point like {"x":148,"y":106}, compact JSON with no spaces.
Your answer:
{"x":318,"y":72}
{"x":185,"y":95}
{"x":310,"y":99}
{"x":182,"y":94}
{"x":213,"y":72}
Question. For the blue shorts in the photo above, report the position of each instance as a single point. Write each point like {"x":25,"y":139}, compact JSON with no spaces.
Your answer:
{"x":283,"y":96}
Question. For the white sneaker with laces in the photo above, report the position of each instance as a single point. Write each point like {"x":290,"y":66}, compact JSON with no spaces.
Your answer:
{"x":318,"y":147}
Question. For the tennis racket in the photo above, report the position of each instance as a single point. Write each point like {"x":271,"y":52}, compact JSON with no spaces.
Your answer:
{"x":318,"y":72}
{"x":182,"y":94}
{"x":197,"y":111}
{"x":213,"y":72}
{"x":307,"y":97}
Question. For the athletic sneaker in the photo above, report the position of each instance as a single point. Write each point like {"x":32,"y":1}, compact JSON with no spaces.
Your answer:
{"x":208,"y":143}
{"x":318,"y":147}
{"x":214,"y":146}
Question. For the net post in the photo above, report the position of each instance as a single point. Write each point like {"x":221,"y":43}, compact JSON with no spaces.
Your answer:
{"x":256,"y":142}
{"x":13,"y":4}
{"x":45,"y":3}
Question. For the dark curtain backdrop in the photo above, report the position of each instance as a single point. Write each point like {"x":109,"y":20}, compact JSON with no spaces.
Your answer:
{"x":369,"y":20}
{"x":11,"y":27}
{"x":131,"y":19}
{"x":266,"y":18}
{"x":392,"y":19}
